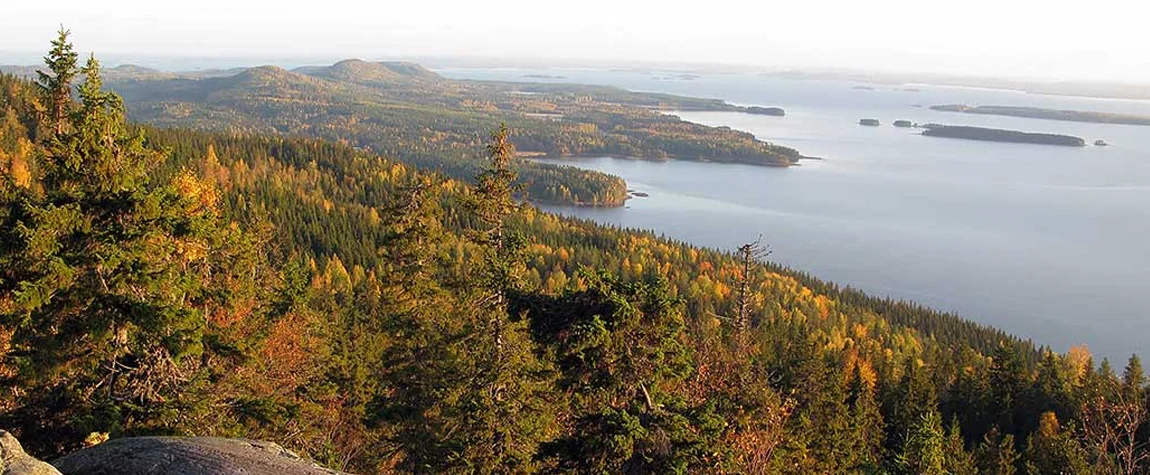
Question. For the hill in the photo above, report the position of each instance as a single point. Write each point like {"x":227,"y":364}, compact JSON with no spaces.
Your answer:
{"x":379,"y":73}
{"x":376,"y":319}
{"x":405,"y":111}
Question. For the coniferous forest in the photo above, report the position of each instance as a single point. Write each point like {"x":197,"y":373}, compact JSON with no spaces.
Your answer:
{"x":379,"y":318}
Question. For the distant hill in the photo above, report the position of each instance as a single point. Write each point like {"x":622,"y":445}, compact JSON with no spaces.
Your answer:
{"x":363,"y":72}
{"x":405,"y":111}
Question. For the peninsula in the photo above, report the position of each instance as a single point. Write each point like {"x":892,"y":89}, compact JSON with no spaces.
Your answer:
{"x":1049,"y":114}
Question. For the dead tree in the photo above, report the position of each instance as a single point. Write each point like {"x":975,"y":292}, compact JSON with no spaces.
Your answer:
{"x":748,"y":254}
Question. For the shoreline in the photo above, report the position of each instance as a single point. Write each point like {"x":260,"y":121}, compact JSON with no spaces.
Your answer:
{"x":560,"y":158}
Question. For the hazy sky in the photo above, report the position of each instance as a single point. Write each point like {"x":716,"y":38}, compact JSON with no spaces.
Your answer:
{"x":1095,"y":39}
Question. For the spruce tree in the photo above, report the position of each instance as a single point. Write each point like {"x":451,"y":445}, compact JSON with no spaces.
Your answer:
{"x":1133,"y":376}
{"x":958,"y":460}
{"x":866,"y":423}
{"x":996,"y":454}
{"x":924,"y":451}
{"x":493,"y":408}
{"x":621,"y":350}
{"x":56,"y":83}
{"x":1052,"y":451}
{"x":106,"y":276}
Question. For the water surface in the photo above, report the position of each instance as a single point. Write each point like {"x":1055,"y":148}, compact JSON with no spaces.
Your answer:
{"x":1046,"y":242}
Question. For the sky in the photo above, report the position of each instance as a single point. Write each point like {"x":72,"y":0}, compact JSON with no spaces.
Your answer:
{"x":1035,"y":39}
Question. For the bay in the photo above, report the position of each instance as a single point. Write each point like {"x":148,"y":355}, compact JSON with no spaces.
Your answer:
{"x":1049,"y":243}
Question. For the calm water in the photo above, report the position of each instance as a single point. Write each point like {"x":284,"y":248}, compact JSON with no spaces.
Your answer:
{"x":1049,"y":243}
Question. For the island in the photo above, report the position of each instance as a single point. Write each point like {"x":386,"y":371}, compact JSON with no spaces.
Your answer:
{"x":775,"y":111}
{"x":1000,"y":135}
{"x":903,"y":123}
{"x":869,"y":122}
{"x":1049,"y":114}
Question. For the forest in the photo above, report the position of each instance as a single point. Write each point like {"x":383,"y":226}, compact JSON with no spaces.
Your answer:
{"x":403,"y":111}
{"x":380,"y":318}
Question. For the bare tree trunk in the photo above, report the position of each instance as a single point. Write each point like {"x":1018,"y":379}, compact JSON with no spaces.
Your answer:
{"x":749,"y":254}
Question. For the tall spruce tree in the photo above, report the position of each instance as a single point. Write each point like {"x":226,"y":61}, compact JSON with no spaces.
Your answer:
{"x":866,"y":423}
{"x":506,"y":412}
{"x":924,"y":451}
{"x":106,"y":276}
{"x":56,"y":83}
{"x":996,"y":454}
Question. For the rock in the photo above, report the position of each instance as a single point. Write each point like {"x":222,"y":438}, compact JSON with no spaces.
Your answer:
{"x":13,"y":460}
{"x":187,"y":456}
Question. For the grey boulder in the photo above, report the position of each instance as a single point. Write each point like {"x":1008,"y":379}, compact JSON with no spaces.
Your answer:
{"x":13,"y":460}
{"x":188,"y":456}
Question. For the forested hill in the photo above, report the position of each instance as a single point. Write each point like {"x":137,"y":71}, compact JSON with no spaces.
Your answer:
{"x":380,"y":319}
{"x":404,"y":111}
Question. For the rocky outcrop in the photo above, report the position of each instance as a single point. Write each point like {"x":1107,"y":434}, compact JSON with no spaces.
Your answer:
{"x":187,"y":456}
{"x":13,"y":460}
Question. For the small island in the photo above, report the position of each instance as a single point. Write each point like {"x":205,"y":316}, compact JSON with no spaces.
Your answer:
{"x":773,"y":111}
{"x":903,"y":123}
{"x":1001,"y":135}
{"x":869,"y":122}
{"x":1049,"y":114}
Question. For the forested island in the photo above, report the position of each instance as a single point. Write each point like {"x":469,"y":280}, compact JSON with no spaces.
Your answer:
{"x":1049,"y":114}
{"x":1000,"y":135}
{"x":773,"y":111}
{"x":376,"y":318}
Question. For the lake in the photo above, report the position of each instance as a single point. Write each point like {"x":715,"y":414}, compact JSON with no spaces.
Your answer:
{"x":1049,"y":243}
